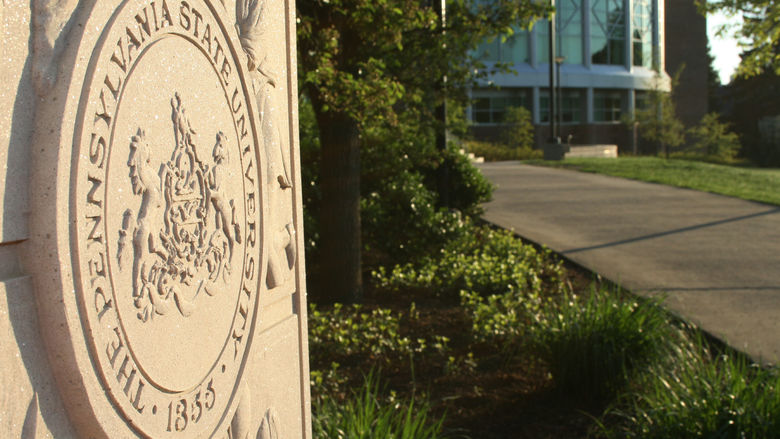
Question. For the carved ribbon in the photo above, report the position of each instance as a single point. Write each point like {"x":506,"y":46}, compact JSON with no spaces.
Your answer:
{"x":249,"y":14}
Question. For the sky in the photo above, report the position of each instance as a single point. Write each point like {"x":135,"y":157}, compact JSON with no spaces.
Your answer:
{"x":725,"y":48}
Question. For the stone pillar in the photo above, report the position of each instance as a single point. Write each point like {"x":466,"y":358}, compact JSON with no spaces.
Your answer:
{"x":151,"y":251}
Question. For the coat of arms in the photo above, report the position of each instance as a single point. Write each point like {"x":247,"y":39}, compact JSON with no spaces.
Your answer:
{"x":185,"y":230}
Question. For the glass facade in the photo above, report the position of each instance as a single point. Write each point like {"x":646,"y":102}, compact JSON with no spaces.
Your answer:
{"x":607,"y":32}
{"x":572,"y":103}
{"x":641,"y":100}
{"x":512,"y":49}
{"x":642,"y":37}
{"x":542,"y":31}
{"x":568,"y":34}
{"x":591,"y":34}
{"x":492,"y":109}
{"x":607,"y":105}
{"x":608,"y":39}
{"x":570,"y":41}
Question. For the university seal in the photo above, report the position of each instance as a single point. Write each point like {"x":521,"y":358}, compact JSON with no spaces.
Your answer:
{"x":167,"y":229}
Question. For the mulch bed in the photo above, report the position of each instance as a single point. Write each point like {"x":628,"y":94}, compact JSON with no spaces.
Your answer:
{"x":496,"y":399}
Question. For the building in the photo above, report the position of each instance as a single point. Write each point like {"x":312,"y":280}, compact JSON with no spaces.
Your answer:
{"x":684,"y":24}
{"x":607,"y":52}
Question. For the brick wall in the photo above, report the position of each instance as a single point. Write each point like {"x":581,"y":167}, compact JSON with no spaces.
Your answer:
{"x":686,"y":44}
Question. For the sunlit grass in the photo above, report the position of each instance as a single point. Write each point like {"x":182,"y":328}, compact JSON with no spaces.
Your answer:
{"x":593,"y":343}
{"x":756,"y":184}
{"x":695,"y":394}
{"x":366,"y":414}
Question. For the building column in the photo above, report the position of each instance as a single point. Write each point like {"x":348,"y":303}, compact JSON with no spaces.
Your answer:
{"x":629,"y":50}
{"x":532,"y":40}
{"x":586,"y":33}
{"x":632,"y":114}
{"x":658,"y":34}
{"x":589,"y":105}
{"x":537,"y":108}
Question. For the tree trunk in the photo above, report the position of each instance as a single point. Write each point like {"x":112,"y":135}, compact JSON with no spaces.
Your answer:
{"x":340,"y":246}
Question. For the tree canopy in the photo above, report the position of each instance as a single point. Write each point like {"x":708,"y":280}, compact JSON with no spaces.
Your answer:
{"x":369,"y":63}
{"x":759,"y":33}
{"x":363,"y":57}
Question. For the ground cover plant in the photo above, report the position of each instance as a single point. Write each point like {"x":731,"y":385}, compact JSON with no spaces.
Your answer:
{"x":749,"y":183}
{"x":540,"y":349}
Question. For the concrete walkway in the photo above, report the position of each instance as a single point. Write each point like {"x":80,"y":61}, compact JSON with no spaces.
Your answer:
{"x":717,"y":258}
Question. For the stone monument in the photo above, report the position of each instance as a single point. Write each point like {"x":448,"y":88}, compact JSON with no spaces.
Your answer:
{"x":151,"y":225}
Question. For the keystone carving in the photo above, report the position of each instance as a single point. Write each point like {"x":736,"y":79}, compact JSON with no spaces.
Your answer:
{"x":50,"y":21}
{"x":186,"y":227}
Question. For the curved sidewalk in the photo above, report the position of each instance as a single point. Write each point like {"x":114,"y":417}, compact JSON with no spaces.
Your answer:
{"x":716,"y":257}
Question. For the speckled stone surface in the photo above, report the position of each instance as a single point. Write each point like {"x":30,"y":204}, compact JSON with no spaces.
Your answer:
{"x":152,"y":223}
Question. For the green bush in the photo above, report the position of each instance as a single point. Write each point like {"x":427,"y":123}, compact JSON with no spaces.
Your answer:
{"x":402,"y":215}
{"x":495,"y":152}
{"x":695,"y":394}
{"x":401,"y":222}
{"x":357,"y":331}
{"x":467,"y":187}
{"x":712,"y":138}
{"x":504,"y":319}
{"x":484,"y":261}
{"x":366,"y":414}
{"x":592,"y":344}
{"x":519,"y":130}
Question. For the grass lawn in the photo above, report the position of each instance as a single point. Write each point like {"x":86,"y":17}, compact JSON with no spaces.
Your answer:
{"x":756,"y":184}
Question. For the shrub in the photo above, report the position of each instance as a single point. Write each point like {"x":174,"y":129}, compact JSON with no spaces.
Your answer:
{"x":402,"y":215}
{"x":657,"y":119}
{"x":713,"y":139}
{"x":468,"y":188}
{"x":365,"y":414}
{"x":401,"y":222}
{"x":592,"y":344}
{"x":503,"y":320}
{"x":695,"y":394}
{"x":519,"y":130}
{"x":356,"y":331}
{"x":483,"y":261}
{"x":494,"y":152}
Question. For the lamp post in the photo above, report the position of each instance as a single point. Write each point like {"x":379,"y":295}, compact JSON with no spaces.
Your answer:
{"x":443,"y":173}
{"x":553,"y":129}
{"x":558,"y":61}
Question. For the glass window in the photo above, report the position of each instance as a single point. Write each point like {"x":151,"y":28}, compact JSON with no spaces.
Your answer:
{"x":515,"y":49}
{"x":607,"y":105}
{"x":511,"y":49}
{"x":569,"y":17}
{"x":607,"y":32}
{"x":641,"y":100}
{"x":643,"y":34}
{"x":542,"y":29}
{"x":488,"y":50}
{"x":492,"y":109}
{"x":571,"y":102}
{"x":568,"y":33}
